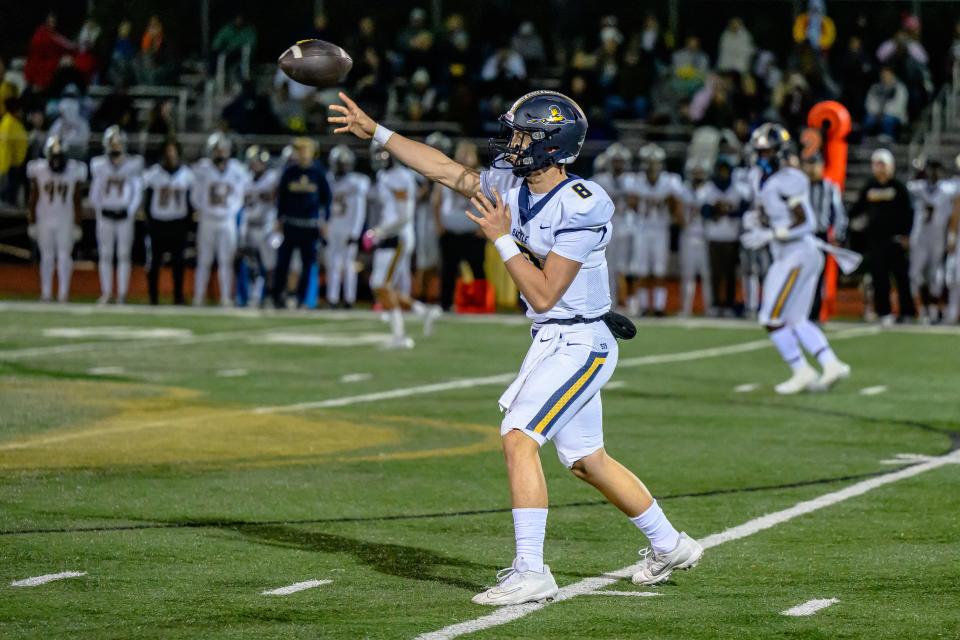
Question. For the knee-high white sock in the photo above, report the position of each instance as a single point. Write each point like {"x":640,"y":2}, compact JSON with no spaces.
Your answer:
{"x":64,"y":274}
{"x":46,"y":276}
{"x":123,"y":277}
{"x":689,"y":291}
{"x":660,"y":298}
{"x":529,"y":528}
{"x":654,"y":524}
{"x":643,"y":298}
{"x":396,"y":322}
{"x":106,"y":276}
{"x":419,"y":308}
{"x":814,"y":342}
{"x":785,"y":340}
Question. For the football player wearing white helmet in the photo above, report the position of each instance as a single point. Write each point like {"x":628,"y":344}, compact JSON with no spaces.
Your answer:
{"x":167,"y":205}
{"x":116,"y":191}
{"x":53,"y":214}
{"x":551,"y":229}
{"x":348,"y":213}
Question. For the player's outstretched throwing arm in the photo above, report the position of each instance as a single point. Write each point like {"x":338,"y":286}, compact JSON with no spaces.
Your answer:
{"x":541,"y":288}
{"x":423,"y":159}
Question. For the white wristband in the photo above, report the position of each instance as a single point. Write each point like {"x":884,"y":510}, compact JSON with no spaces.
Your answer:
{"x":506,"y":247}
{"x":381,"y":134}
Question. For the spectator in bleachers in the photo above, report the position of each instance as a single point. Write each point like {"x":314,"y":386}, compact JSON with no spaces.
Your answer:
{"x":736,"y":48}
{"x":161,"y":122}
{"x":370,"y":88}
{"x":415,"y":44}
{"x":528,"y":43}
{"x":67,"y":79}
{"x":7,"y":88}
{"x":47,"y":47}
{"x":88,"y":56}
{"x":418,"y":101}
{"x":321,"y":26}
{"x":123,"y":55}
{"x":689,"y":66}
{"x":154,"y":65}
{"x":13,"y":152}
{"x":855,"y":68}
{"x":235,"y":43}
{"x":652,"y":41}
{"x":115,"y":108}
{"x":72,"y":128}
{"x":636,"y":75}
{"x":886,"y":105}
{"x":885,"y":205}
{"x":792,"y":100}
{"x":251,"y":112}
{"x":504,"y":68}
{"x":909,"y":60}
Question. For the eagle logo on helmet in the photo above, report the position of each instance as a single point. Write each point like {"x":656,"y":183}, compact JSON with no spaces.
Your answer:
{"x":555,"y":117}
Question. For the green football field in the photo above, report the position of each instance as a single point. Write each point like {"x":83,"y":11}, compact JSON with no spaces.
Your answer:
{"x":185,"y":463}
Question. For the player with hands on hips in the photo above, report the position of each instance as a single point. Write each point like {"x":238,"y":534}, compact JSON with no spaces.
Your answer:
{"x":116,"y":191}
{"x":551,"y":229}
{"x":348,"y":213}
{"x":53,"y":214}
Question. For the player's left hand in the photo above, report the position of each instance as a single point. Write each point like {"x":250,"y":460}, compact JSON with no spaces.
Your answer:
{"x":494,"y":219}
{"x":77,"y":233}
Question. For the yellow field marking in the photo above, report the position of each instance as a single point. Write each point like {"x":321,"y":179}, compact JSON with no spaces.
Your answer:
{"x":173,"y":426}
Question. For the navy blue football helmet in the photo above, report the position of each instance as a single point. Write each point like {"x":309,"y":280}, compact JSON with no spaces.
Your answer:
{"x":773,"y":138}
{"x":556,"y":125}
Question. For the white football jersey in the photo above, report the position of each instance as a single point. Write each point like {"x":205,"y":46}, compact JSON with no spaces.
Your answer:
{"x":654,"y":209}
{"x":453,"y":208}
{"x":724,"y":228}
{"x":219,"y":194}
{"x":573,"y":220}
{"x":397,"y":193}
{"x":932,"y":206}
{"x":616,"y":187}
{"x":779,"y":194}
{"x":116,"y":187}
{"x":692,"y":199}
{"x":260,"y":200}
{"x":56,"y":188}
{"x":348,"y":206}
{"x":170,"y":190}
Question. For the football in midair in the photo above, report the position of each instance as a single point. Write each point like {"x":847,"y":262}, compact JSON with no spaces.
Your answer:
{"x":316,"y":63}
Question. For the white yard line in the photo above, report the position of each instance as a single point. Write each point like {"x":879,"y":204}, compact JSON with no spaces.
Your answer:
{"x":873,"y":391}
{"x":591,"y":585}
{"x":293,"y":588}
{"x":637,"y":594}
{"x":746,"y":388}
{"x":49,"y":577}
{"x":809,"y":607}
{"x":355,"y":377}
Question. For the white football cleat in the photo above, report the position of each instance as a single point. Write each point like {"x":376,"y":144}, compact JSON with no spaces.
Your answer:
{"x":103,"y":300}
{"x":399,"y":342}
{"x":657,"y":567}
{"x":801,"y":380}
{"x":517,"y":584}
{"x":430,"y":316}
{"x":833,"y":372}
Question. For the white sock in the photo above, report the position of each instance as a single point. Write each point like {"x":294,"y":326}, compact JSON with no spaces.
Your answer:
{"x":814,"y":342}
{"x":106,"y":277}
{"x":529,"y":528}
{"x":643,"y":299}
{"x":785,"y":340}
{"x":654,"y":524}
{"x":396,"y":322}
{"x":660,"y":298}
{"x":419,"y":308}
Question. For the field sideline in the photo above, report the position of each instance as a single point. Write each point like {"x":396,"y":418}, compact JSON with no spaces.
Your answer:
{"x":239,"y":474}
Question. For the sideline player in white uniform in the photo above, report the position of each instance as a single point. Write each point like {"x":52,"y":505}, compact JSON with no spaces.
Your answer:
{"x":694,"y":258}
{"x":933,"y":199}
{"x":218,"y":197}
{"x":257,"y":256}
{"x":656,"y":194}
{"x":551,"y":229}
{"x":786,"y":222}
{"x":348,"y":214}
{"x":613,"y":174}
{"x":167,"y":206}
{"x":54,"y":212}
{"x":393,"y":239}
{"x":116,"y":190}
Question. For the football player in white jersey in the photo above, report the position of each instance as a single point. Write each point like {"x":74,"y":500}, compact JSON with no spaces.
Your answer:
{"x":933,"y":198}
{"x":613,"y":174}
{"x":551,"y":229}
{"x":218,"y":196}
{"x":54,"y":212}
{"x":256,"y":257}
{"x":427,"y":252}
{"x":656,"y":195}
{"x":116,"y":191}
{"x":348,"y":214}
{"x":694,"y":259}
{"x":392,"y":241}
{"x":786,"y":222}
{"x":952,"y":266}
{"x":167,"y":205}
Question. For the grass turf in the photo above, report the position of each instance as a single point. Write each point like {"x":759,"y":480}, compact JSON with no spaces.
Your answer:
{"x":183,"y":505}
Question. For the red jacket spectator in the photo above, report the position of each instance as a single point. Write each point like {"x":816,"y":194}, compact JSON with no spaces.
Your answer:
{"x":47,"y":46}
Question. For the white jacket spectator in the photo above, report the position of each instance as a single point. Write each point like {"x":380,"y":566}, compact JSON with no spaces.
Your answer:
{"x":888,"y":97}
{"x":736,"y":48}
{"x":72,"y":129}
{"x":505,"y":64}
